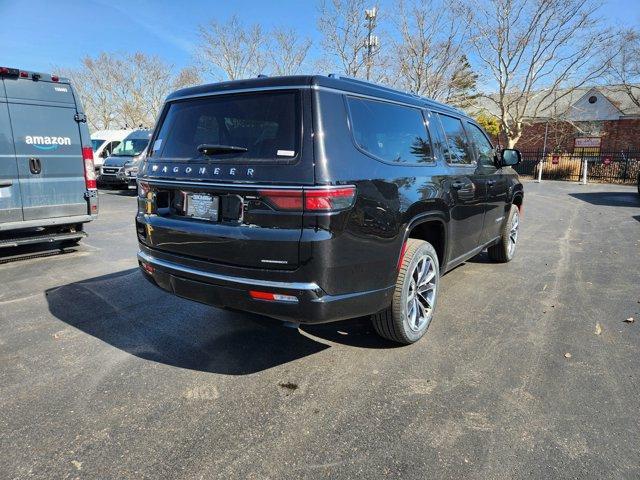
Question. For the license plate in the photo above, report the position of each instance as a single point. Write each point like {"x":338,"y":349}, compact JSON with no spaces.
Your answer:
{"x":202,"y":206}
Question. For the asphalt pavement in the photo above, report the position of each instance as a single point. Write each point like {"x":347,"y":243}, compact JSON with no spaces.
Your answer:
{"x":528,"y":370}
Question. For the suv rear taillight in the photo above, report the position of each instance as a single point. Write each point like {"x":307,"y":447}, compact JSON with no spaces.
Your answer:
{"x":89,"y":169}
{"x":329,"y":199}
{"x":311,"y":200}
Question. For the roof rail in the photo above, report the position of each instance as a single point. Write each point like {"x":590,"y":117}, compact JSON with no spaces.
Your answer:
{"x":389,"y":89}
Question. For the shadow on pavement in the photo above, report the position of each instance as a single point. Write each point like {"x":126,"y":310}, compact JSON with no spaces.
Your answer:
{"x":357,"y":332}
{"x":131,"y":192}
{"x":482,"y":257}
{"x":615,"y":199}
{"x":124,"y":310}
{"x":636,"y":217}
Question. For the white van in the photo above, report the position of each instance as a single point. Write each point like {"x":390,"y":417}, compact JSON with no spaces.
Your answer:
{"x":104,"y":141}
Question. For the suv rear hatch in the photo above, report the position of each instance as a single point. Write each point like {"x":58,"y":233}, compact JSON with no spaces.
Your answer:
{"x":224,"y":175}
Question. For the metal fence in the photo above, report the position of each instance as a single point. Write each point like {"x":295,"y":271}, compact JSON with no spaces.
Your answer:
{"x":610,"y":167}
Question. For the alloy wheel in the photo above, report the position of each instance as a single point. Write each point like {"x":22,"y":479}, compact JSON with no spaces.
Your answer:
{"x":422,"y":294}
{"x":513,"y":233}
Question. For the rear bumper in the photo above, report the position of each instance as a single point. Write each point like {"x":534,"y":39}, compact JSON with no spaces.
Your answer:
{"x":46,"y":222}
{"x":314,"y":305}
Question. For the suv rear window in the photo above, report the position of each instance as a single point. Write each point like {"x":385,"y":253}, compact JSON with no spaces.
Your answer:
{"x":390,"y":132}
{"x":267,"y":124}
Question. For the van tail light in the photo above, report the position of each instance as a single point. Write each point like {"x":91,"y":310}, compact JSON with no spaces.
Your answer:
{"x":89,"y":169}
{"x":272,"y":297}
{"x":329,"y":199}
{"x":24,"y":75}
{"x":55,"y":78}
{"x":320,"y":200}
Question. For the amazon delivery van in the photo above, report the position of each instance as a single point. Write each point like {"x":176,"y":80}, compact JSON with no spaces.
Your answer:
{"x":104,"y":142}
{"x":47,"y":177}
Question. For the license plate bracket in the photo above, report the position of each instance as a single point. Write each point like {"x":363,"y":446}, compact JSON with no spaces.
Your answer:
{"x":202,"y":206}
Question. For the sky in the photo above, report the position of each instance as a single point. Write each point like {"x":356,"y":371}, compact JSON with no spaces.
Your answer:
{"x":41,"y":34}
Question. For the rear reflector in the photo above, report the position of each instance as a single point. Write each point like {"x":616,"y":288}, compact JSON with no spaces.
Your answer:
{"x":272,"y":297}
{"x":283,"y":199}
{"x":89,"y":169}
{"x":147,"y":268}
{"x":321,"y":200}
{"x":401,"y":258}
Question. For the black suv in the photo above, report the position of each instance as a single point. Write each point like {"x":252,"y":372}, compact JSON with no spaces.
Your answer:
{"x":314,"y":199}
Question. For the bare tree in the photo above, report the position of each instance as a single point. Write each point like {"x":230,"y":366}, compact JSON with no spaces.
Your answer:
{"x":231,"y":49}
{"x":429,"y":51}
{"x":533,"y":50}
{"x":120,"y":91}
{"x":344,"y":35}
{"x":625,"y":64}
{"x":288,"y":51}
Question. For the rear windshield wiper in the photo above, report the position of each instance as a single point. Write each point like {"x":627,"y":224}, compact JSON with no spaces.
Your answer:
{"x":213,"y":149}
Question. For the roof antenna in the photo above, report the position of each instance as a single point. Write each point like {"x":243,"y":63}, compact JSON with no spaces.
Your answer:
{"x":262,"y":75}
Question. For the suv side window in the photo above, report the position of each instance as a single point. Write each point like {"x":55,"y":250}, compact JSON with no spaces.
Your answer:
{"x":482,"y":145}
{"x":457,"y":150}
{"x":390,"y":132}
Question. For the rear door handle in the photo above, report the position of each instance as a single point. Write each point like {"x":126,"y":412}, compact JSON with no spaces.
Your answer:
{"x":6,"y":183}
{"x":34,"y":165}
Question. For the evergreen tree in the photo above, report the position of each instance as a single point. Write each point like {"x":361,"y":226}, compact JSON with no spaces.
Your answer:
{"x":462,"y":87}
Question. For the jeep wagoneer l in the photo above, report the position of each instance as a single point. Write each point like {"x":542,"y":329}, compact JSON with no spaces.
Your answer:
{"x":315,"y":199}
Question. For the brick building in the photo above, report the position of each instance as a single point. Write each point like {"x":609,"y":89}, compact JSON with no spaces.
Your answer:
{"x":602,"y":117}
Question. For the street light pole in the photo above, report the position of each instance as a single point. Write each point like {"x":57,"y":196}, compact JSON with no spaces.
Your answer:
{"x":372,"y":41}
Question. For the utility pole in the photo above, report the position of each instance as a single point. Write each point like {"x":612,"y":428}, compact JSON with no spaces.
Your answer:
{"x":372,"y":41}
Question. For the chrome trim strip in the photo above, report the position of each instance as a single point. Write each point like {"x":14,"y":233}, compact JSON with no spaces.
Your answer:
{"x":226,"y":278}
{"x":426,"y":103}
{"x":153,"y":181}
{"x":239,"y":90}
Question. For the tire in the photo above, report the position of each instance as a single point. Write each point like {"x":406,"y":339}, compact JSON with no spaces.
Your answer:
{"x":398,"y":322}
{"x":505,"y":249}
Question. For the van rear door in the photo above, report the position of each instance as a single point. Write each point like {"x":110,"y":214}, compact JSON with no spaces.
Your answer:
{"x":227,"y":173}
{"x":48,"y":148}
{"x":10,"y":201}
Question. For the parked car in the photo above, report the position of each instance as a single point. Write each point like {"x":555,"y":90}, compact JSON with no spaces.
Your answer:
{"x":103,"y":142}
{"x":47,"y":177}
{"x":314,"y":199}
{"x":120,"y":169}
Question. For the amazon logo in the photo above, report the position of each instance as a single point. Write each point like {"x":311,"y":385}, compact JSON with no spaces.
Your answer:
{"x":45,"y":142}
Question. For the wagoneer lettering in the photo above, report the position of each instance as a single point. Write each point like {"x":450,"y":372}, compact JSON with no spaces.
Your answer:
{"x":243,"y":204}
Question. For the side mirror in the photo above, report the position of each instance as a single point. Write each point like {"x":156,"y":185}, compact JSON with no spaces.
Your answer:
{"x":105,"y":153}
{"x":510,"y":157}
